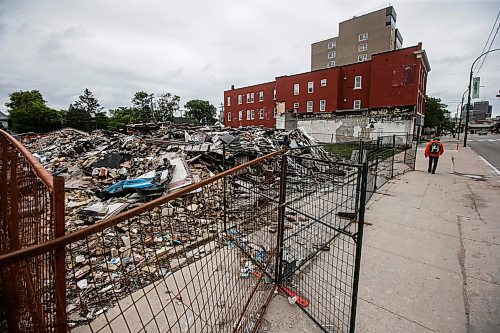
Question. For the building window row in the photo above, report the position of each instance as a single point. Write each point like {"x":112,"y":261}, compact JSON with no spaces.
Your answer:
{"x":362,"y":57}
{"x":309,"y":106}
{"x":362,"y":47}
{"x":331,"y":45}
{"x":228,"y":100}
{"x":331,"y":54}
{"x":250,"y":98}
{"x":310,"y":87}
{"x":250,"y":115}
{"x":330,"y":64}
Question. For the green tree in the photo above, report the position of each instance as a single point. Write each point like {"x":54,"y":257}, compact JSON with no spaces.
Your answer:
{"x":120,"y":118}
{"x":165,"y":107}
{"x":78,"y":118}
{"x":201,"y":112}
{"x":101,"y":120}
{"x":30,"y":113}
{"x":436,"y":114}
{"x":88,"y":102}
{"x":141,"y":103}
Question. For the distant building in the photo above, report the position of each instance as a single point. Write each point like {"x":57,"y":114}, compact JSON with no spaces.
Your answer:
{"x":4,"y":120}
{"x":480,"y":112}
{"x":359,"y":39}
{"x":390,"y":81}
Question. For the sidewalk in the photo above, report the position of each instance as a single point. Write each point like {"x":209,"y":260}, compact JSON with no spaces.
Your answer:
{"x":431,"y":259}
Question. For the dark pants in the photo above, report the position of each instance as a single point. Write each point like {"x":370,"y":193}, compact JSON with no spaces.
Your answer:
{"x":433,"y":163}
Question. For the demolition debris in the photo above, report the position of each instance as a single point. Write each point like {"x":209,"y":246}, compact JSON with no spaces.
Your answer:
{"x":107,"y":173}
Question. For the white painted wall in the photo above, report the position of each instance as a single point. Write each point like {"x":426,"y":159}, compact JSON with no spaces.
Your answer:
{"x":325,"y":130}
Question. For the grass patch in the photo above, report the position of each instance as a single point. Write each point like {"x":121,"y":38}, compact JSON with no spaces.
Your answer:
{"x":343,"y":150}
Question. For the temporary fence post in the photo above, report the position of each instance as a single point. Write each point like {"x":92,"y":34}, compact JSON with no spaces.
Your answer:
{"x":359,"y":243}
{"x":281,"y":222}
{"x":393,"y":152}
{"x":376,"y":164}
{"x":60,"y":255}
{"x":224,"y":186}
{"x":406,"y":147}
{"x":414,"y":153}
{"x":361,"y":147}
{"x":9,"y":276}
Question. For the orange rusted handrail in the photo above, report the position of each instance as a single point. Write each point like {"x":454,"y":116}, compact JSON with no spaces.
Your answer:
{"x":38,"y":168}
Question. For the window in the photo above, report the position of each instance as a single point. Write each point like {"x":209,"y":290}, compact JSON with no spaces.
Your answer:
{"x":295,"y":106}
{"x":274,"y":113}
{"x":261,"y":114}
{"x":309,"y":106}
{"x":240,"y":115}
{"x":357,"y":104}
{"x":252,"y":114}
{"x":240,"y":99}
{"x":330,"y":64}
{"x":362,"y":57}
{"x":310,"y":87}
{"x":248,"y":114}
{"x":331,"y":45}
{"x":228,"y":100}
{"x":229,"y":116}
{"x":362,"y":47}
{"x":296,"y":89}
{"x":363,"y":36}
{"x":261,"y":96}
{"x":250,"y":97}
{"x":331,"y":54}
{"x":357,"y":82}
{"x":274,"y":94}
{"x":323,"y":82}
{"x":322,"y":105}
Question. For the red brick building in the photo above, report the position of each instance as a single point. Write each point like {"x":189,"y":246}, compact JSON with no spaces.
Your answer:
{"x":390,"y":79}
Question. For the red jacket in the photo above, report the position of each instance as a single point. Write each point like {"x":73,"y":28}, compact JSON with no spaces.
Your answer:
{"x":428,"y":149}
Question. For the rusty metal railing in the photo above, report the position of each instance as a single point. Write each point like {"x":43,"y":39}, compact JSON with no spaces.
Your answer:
{"x":182,"y":262}
{"x":31,"y":212}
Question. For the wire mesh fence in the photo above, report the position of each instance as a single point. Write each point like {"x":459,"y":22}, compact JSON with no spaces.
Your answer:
{"x":32,"y":202}
{"x":322,"y":230}
{"x":206,"y":258}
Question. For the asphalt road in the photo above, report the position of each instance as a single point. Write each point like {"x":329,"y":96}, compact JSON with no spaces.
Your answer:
{"x":488,"y":146}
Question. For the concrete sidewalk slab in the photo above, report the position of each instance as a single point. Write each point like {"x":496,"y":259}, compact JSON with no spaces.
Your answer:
{"x":431,"y":259}
{"x":415,"y":291}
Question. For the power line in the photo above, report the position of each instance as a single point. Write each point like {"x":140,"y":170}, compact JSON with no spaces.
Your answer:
{"x":491,"y":43}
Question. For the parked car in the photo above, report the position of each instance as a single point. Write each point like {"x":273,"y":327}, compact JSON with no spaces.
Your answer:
{"x":483,"y":132}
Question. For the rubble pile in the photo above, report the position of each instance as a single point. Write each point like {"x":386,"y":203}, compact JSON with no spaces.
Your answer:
{"x":107,"y":173}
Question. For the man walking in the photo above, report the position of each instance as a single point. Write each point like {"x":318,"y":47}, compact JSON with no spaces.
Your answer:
{"x":433,"y":150}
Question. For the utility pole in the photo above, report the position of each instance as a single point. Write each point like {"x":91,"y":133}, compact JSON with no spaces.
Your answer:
{"x":468,"y":98}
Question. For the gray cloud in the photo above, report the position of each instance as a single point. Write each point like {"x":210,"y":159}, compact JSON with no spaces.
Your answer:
{"x":197,"y":49}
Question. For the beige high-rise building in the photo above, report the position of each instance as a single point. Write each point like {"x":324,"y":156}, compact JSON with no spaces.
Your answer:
{"x":358,"y":39}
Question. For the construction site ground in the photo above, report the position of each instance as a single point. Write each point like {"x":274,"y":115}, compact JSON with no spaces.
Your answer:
{"x":431,"y":253}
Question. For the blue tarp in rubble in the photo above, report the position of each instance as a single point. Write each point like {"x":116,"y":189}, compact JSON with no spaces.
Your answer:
{"x":130,"y":184}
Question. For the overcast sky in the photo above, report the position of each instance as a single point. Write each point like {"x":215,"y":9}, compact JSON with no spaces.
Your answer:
{"x":197,"y":49}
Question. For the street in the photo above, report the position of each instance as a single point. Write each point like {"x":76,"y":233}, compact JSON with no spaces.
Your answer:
{"x":488,"y":146}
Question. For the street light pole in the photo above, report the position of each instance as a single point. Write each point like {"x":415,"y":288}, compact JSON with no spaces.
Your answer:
{"x":461,"y":109}
{"x":468,"y":96}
